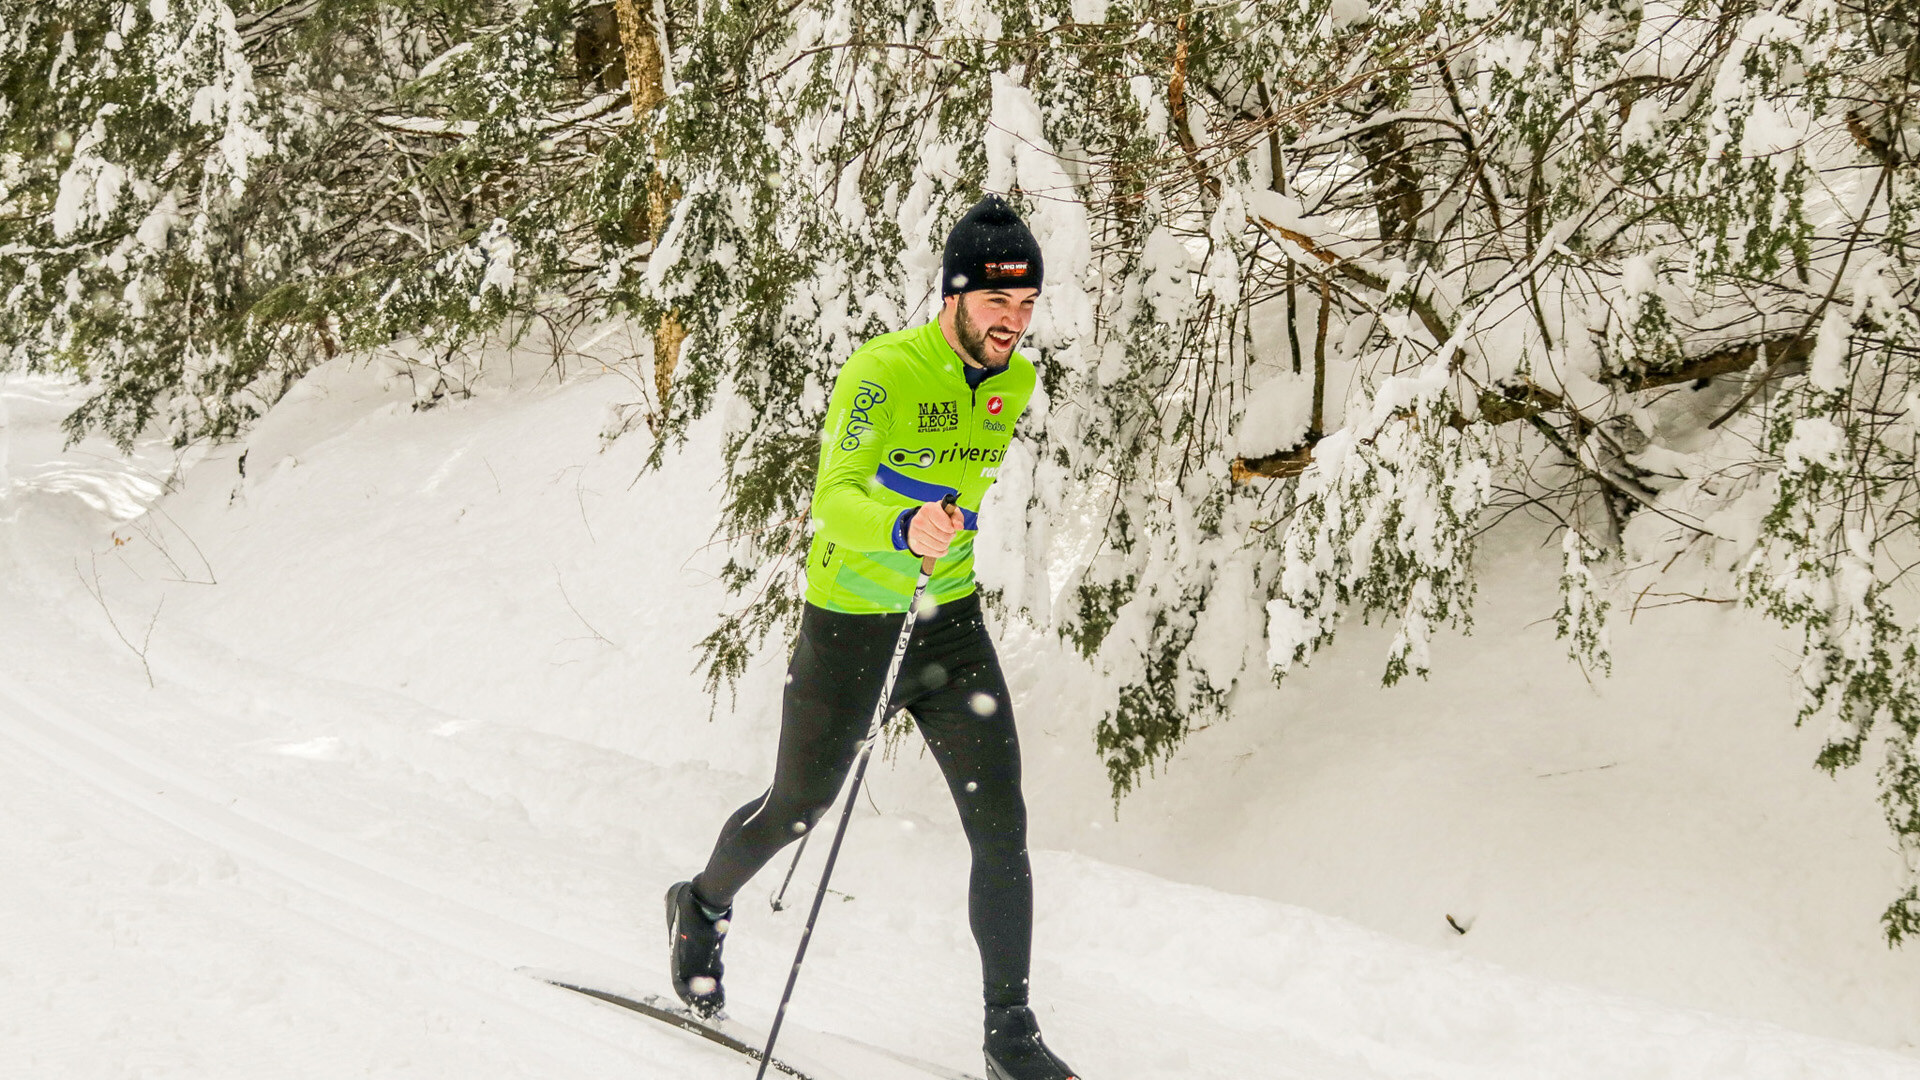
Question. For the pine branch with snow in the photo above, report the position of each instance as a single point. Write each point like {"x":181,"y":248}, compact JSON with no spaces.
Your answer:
{"x":1332,"y":288}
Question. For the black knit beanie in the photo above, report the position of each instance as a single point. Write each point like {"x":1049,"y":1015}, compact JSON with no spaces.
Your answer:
{"x":990,"y":249}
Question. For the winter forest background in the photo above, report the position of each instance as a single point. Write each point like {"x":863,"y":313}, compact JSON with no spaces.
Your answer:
{"x":1333,"y":289}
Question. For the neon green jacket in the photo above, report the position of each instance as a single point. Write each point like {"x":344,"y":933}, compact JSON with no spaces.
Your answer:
{"x":903,"y":428}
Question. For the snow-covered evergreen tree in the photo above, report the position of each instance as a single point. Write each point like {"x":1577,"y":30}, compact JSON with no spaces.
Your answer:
{"x":1332,"y":287}
{"x":205,"y":199}
{"x":1639,"y":267}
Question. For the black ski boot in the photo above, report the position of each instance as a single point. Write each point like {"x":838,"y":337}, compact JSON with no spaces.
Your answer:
{"x":695,"y":934}
{"x":1014,"y":1050}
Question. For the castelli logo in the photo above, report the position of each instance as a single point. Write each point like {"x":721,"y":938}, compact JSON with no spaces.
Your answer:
{"x":993,"y":404}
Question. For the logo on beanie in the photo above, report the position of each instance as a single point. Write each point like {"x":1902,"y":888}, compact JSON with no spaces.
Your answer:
{"x":997,"y":271}
{"x":994,"y":404}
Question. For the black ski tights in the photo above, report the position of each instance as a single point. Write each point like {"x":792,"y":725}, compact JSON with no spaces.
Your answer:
{"x":950,"y":683}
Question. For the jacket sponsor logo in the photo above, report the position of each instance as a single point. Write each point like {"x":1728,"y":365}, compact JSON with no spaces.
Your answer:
{"x":903,"y":457}
{"x":1016,"y":268}
{"x":859,"y":420}
{"x":924,"y":458}
{"x":991,"y":424}
{"x":995,"y":404}
{"x":988,"y":454}
{"x":939,"y":416}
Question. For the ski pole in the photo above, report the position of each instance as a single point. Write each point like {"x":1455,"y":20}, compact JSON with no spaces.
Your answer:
{"x":853,"y":793}
{"x":779,"y":900}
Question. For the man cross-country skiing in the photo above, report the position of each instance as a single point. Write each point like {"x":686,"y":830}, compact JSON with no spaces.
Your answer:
{"x":916,"y":416}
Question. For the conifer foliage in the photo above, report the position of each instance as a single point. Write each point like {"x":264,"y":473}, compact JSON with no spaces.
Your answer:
{"x":203,"y":199}
{"x":1332,"y":287}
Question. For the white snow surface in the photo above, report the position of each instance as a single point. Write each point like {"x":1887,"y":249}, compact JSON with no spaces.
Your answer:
{"x":423,"y":716}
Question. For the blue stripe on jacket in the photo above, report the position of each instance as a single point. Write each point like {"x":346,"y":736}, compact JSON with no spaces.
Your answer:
{"x":919,"y":491}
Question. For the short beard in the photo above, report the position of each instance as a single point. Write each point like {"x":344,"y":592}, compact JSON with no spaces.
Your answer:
{"x":972,"y":339}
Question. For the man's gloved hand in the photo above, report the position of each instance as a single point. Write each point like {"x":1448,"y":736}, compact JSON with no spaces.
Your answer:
{"x":932,"y":529}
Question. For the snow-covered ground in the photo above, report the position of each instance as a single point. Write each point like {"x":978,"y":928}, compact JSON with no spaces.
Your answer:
{"x":423,"y":714}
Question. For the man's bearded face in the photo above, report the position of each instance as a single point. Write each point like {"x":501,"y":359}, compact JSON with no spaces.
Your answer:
{"x":990,"y":322}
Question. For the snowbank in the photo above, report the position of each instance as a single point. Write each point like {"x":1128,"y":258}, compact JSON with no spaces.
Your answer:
{"x":423,"y":712}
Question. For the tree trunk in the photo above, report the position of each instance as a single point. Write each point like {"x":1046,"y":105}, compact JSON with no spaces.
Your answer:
{"x":640,"y":38}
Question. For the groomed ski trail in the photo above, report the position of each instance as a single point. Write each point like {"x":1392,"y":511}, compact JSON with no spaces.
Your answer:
{"x":373,"y":892}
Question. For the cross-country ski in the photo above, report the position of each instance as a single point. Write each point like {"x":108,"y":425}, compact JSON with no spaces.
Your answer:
{"x":714,"y":1029}
{"x":747,"y":1041}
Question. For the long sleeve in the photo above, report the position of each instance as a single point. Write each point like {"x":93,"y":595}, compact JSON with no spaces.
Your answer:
{"x":849,"y":507}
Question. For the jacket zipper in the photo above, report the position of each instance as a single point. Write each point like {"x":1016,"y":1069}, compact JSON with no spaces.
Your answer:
{"x":973,"y":402}
{"x":973,"y":406}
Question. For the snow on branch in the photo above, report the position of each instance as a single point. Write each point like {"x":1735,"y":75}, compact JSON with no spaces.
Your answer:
{"x":1524,"y":401}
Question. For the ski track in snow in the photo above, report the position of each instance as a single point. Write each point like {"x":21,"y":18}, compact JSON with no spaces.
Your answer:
{"x":371,"y":896}
{"x":324,"y":877}
{"x":259,"y":869}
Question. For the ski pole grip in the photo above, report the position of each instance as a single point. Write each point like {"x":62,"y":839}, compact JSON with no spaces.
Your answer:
{"x":948,"y":503}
